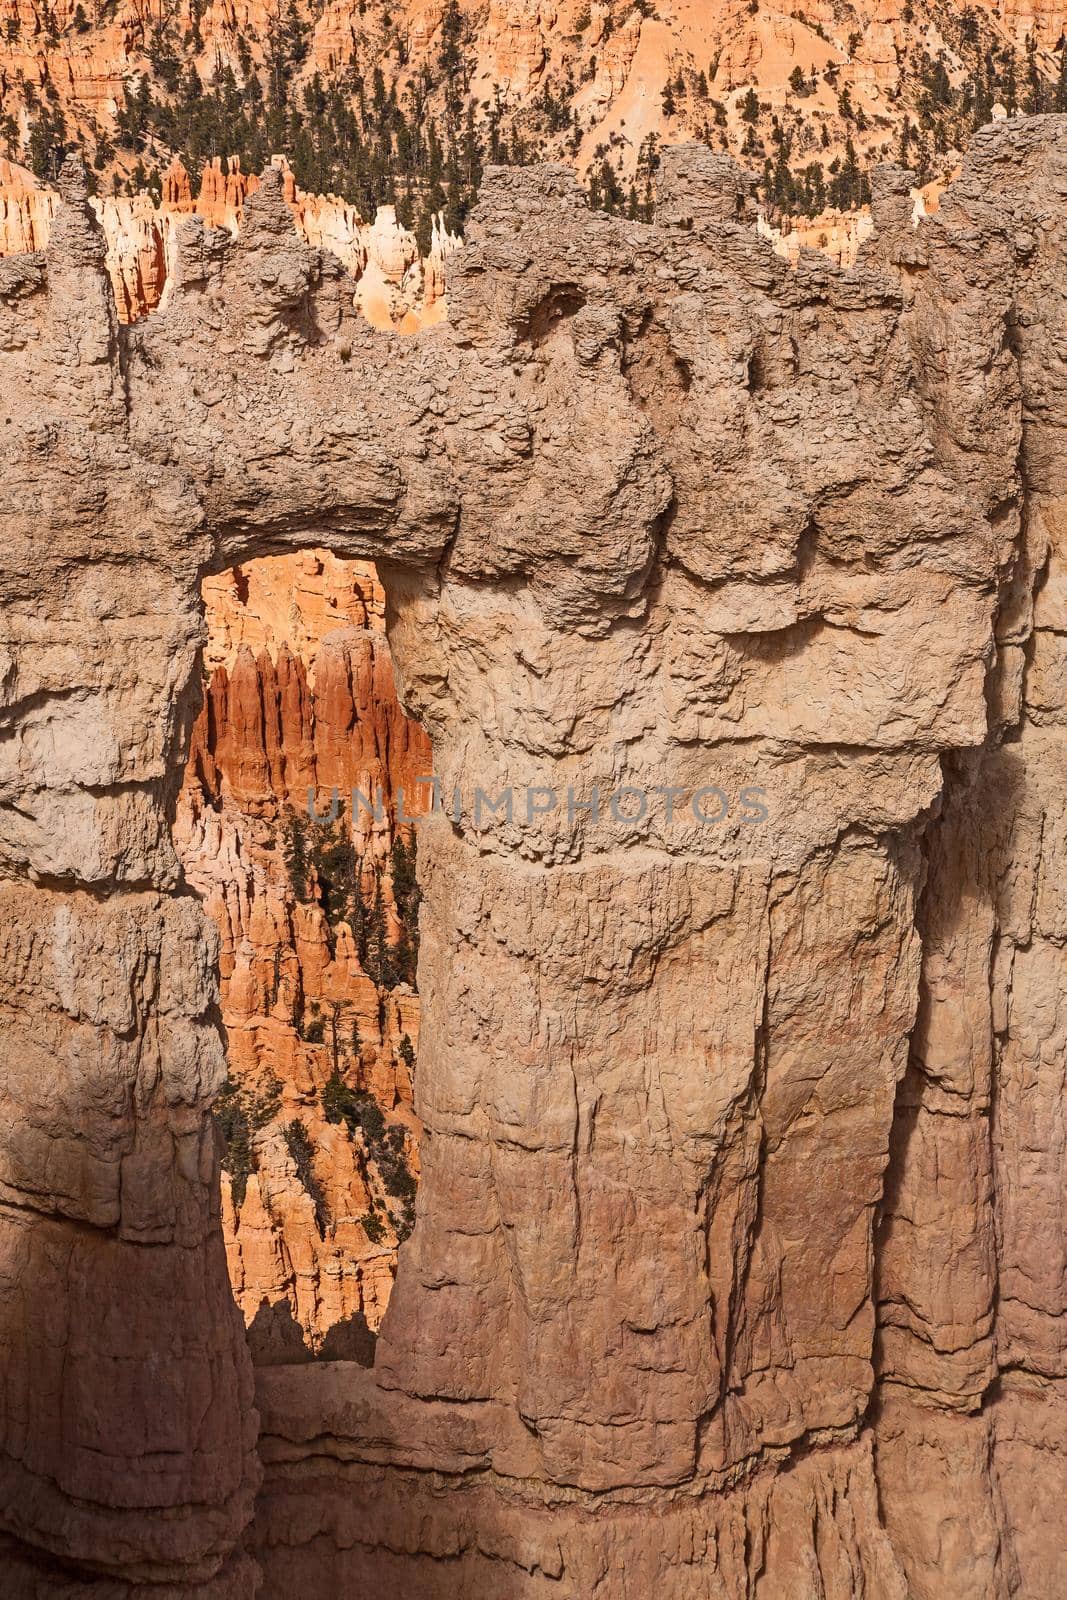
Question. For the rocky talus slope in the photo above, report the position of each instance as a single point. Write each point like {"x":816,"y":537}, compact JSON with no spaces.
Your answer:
{"x":300,"y":700}
{"x":739,"y":1257}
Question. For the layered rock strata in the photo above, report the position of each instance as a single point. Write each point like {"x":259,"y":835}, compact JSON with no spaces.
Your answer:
{"x":738,"y":1260}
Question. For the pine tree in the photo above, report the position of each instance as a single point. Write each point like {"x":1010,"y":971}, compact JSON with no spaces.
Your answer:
{"x":300,"y":1147}
{"x":296,"y":856}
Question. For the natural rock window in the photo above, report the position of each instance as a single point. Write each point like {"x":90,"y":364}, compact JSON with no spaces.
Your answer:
{"x":318,"y":929}
{"x":740,"y":1262}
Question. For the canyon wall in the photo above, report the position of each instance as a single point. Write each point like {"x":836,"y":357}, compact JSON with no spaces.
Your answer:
{"x":738,"y":1262}
{"x":568,"y":81}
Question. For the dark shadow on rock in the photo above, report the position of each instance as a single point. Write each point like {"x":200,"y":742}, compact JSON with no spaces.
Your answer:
{"x":276,"y":1339}
{"x":350,"y":1340}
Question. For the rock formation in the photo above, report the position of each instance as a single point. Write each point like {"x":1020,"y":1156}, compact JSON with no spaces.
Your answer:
{"x":301,"y":698}
{"x":840,"y":234}
{"x":836,"y":234}
{"x":395,"y":287}
{"x":739,"y":1258}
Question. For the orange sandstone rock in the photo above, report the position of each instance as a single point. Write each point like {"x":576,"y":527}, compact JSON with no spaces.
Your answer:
{"x":301,"y":697}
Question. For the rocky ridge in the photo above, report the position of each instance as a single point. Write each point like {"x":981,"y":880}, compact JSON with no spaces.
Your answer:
{"x":739,"y":1258}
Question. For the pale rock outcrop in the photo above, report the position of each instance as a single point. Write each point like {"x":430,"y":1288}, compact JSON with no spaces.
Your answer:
{"x":25,"y":211}
{"x":396,"y":287}
{"x":516,"y":45}
{"x":837,"y":234}
{"x":726,"y":1275}
{"x":1043,"y":21}
{"x":840,"y":234}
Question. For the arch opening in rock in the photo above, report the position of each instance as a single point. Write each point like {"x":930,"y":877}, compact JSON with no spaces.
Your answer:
{"x":726,"y":1275}
{"x":295,"y":825}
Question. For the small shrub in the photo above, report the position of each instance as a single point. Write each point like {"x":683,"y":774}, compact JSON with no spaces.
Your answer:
{"x":339,"y":1102}
{"x":239,"y":1113}
{"x":373,"y":1227}
{"x":298,"y":1142}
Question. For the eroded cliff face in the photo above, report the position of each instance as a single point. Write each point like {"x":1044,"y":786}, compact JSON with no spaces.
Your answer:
{"x":738,"y":1260}
{"x":317,"y":959}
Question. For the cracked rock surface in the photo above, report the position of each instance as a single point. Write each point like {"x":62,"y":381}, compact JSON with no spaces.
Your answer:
{"x":739,"y":1267}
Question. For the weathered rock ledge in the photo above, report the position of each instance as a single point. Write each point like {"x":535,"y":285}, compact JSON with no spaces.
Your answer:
{"x":740,"y":1259}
